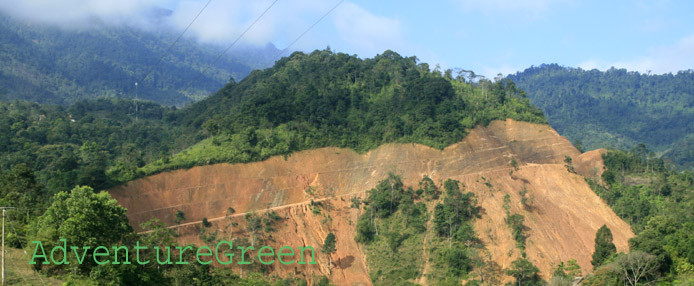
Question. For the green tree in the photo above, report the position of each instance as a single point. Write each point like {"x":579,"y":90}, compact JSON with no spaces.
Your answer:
{"x":178,"y":219}
{"x":229,"y":214}
{"x":638,"y":268}
{"x":84,"y":218}
{"x":329,"y":247}
{"x":604,"y":248}
{"x":525,"y":273}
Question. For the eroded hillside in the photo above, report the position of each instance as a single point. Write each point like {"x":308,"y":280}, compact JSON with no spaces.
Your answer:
{"x":561,"y":221}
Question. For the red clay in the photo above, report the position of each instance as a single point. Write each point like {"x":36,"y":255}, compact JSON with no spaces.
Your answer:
{"x":561,"y":220}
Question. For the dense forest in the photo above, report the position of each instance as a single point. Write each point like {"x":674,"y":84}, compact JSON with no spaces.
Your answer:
{"x":616,"y":108}
{"x":54,"y":159}
{"x":320,"y":99}
{"x":658,"y":204}
{"x":48,"y":64}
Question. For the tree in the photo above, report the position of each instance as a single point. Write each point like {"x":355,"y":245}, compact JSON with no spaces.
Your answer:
{"x":254,"y":223}
{"x":525,"y":273}
{"x":604,"y":248}
{"x":178,"y":219}
{"x":569,"y":164}
{"x":84,"y":218}
{"x":230,"y":212}
{"x":329,"y":247}
{"x":572,"y":268}
{"x":638,"y":267}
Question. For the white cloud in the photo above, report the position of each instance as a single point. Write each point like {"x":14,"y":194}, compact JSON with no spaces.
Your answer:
{"x":79,"y":12}
{"x":663,"y":59}
{"x":366,"y":33}
{"x":349,"y":27}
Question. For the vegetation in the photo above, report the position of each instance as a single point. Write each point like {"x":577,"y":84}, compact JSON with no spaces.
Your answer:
{"x":616,"y":108}
{"x":525,"y":273}
{"x":320,"y":99}
{"x":658,"y":203}
{"x":48,"y":64}
{"x":604,"y":248}
{"x":305,"y":101}
{"x":394,"y":230}
{"x":329,"y":248}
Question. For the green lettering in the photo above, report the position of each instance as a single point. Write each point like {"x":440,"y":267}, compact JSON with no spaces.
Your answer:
{"x":243,"y":254}
{"x":84,"y":253}
{"x":280,"y":254}
{"x":198,"y":254}
{"x":137,"y":250}
{"x":97,"y":254}
{"x":261,"y":254}
{"x":168,"y":256}
{"x":115,"y":255}
{"x":230,"y":255}
{"x":180,"y":254}
{"x":313,"y":253}
{"x":63,"y":249}
{"x":43,"y":253}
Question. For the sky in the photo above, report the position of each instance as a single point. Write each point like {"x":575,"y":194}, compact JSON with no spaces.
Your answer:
{"x":486,"y":36}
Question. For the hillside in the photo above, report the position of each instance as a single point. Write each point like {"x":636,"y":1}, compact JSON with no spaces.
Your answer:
{"x":49,"y":64}
{"x":616,"y":108}
{"x":560,"y":222}
{"x":322,"y":99}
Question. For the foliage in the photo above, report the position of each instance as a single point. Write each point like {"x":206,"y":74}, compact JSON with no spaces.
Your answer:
{"x":320,"y":99}
{"x":524,"y":272}
{"x":452,"y":218}
{"x":604,"y":247}
{"x":47,"y":64}
{"x":393,"y":242}
{"x":616,"y":108}
{"x":84,"y":218}
{"x":657,"y":202}
{"x":329,"y":244}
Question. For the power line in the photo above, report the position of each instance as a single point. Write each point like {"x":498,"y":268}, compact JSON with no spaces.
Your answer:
{"x":172,"y":44}
{"x":309,"y":28}
{"x":229,"y":47}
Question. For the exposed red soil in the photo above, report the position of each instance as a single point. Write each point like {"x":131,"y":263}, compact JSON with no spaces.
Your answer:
{"x":561,"y":219}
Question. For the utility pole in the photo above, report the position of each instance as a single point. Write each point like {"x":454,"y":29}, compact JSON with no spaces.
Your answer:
{"x":3,"y":242}
{"x":135,"y":101}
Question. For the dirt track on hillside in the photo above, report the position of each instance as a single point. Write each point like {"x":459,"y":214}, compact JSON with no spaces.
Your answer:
{"x":561,"y":220}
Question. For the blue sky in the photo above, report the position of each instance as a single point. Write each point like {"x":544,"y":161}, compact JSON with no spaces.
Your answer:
{"x":487,"y":36}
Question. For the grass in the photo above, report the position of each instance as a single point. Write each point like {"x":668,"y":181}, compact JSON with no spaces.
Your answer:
{"x":18,"y":271}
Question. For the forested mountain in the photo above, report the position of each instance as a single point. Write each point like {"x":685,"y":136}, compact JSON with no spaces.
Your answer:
{"x":616,"y":108}
{"x":321,"y":99}
{"x":49,"y":64}
{"x":305,"y":101}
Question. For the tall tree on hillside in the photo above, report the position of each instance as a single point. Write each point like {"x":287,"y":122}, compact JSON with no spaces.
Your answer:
{"x":524,"y":272}
{"x":180,"y":217}
{"x":230,"y":212}
{"x":604,"y":248}
{"x":329,"y":247}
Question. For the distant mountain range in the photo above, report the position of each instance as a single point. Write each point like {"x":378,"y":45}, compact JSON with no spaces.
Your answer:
{"x":48,"y":64}
{"x":616,"y":108}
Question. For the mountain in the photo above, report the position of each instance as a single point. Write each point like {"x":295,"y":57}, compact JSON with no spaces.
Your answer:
{"x":561,"y":212}
{"x":616,"y":108}
{"x":49,"y":64}
{"x":395,"y":174}
{"x":321,"y":99}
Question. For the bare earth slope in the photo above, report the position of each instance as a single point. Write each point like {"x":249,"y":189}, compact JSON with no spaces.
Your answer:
{"x":561,"y":222}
